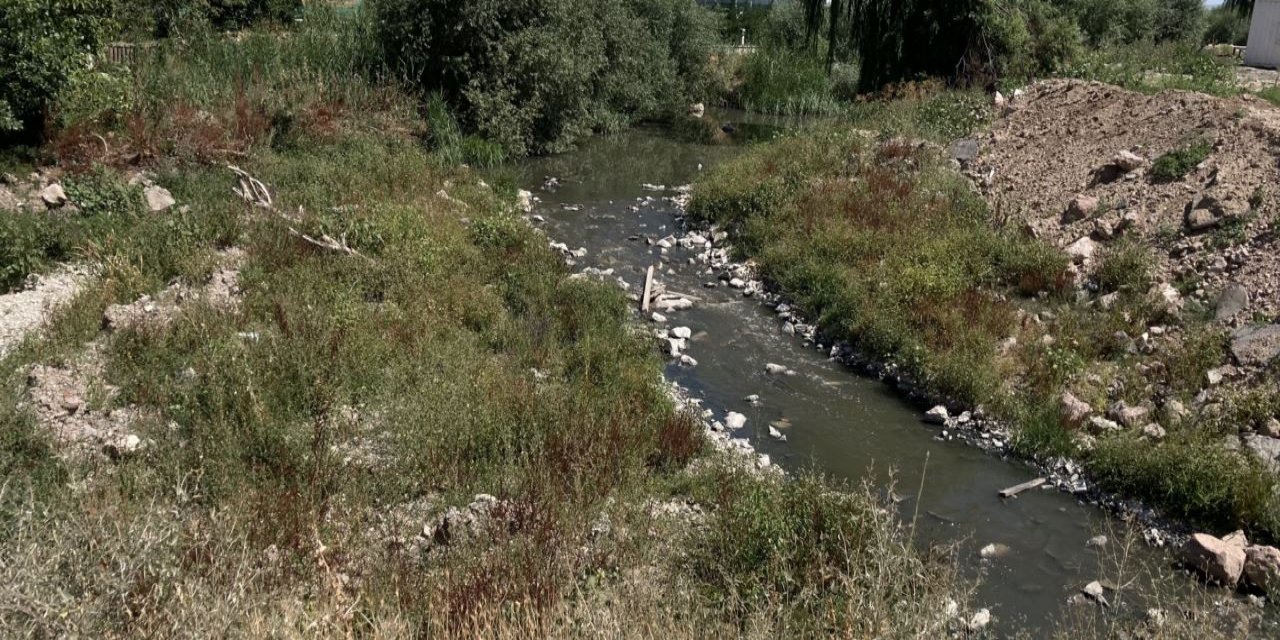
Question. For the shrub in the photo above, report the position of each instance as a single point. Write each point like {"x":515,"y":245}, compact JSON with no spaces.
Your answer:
{"x":539,"y":76}
{"x":1126,"y":266}
{"x":1176,"y":164}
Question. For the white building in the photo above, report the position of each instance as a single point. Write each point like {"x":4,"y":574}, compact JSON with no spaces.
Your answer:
{"x":1264,"y":35}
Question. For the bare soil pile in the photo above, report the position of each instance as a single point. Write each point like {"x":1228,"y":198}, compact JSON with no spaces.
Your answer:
{"x":1213,"y":229}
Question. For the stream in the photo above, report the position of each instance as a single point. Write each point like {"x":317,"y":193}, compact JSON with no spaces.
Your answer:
{"x":841,"y":424}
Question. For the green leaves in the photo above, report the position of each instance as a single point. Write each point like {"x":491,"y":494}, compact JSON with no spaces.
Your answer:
{"x":540,"y":75}
{"x":45,"y":42}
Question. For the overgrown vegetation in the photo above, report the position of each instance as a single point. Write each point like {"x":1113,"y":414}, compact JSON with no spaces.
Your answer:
{"x":298,"y":440}
{"x":883,"y":248}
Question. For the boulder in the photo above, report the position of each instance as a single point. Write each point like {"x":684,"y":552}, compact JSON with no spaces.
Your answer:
{"x":1228,"y":205}
{"x":53,"y":196}
{"x":776,"y":434}
{"x":1128,"y":415}
{"x":936,"y":415}
{"x":1174,"y":411}
{"x":1082,"y":250}
{"x":965,"y":150}
{"x":1129,"y":161}
{"x":1231,"y":301}
{"x":1262,"y":568}
{"x":683,"y":333}
{"x":1256,"y":345}
{"x":1099,"y":425}
{"x":1265,"y":448}
{"x":1217,"y":560}
{"x":1074,"y":410}
{"x":735,"y":420}
{"x":158,"y":198}
{"x":697,"y":110}
{"x":1200,"y":219}
{"x":1080,"y":207}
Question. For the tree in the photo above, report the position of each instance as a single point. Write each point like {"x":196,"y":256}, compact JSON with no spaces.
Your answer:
{"x":44,"y":43}
{"x":902,"y":39}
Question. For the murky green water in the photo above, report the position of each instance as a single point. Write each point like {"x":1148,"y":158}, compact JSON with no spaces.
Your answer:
{"x":841,"y":424}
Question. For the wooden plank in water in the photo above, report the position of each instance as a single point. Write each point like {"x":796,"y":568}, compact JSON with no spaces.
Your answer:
{"x":1016,"y":489}
{"x":648,"y":286}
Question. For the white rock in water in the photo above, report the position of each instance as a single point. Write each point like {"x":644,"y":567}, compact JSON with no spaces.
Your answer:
{"x":675,"y":346}
{"x":682,"y":332}
{"x":936,"y":415}
{"x":658,"y":317}
{"x":980,"y":620}
{"x":158,"y":198}
{"x":735,"y":420}
{"x":688,"y":361}
{"x":737,"y":283}
{"x":994,"y":550}
{"x":675,"y":304}
{"x":524,"y":200}
{"x":764,"y":461}
{"x":1096,"y":591}
{"x":777,"y":370}
{"x":777,"y":435}
{"x":752,"y":399}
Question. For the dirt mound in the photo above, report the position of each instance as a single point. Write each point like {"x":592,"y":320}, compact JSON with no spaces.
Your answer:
{"x":1055,"y":164}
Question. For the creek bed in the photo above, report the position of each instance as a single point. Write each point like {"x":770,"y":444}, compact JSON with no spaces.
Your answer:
{"x":836,"y":422}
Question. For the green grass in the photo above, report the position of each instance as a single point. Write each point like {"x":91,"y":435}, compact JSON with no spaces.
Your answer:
{"x":786,"y":82}
{"x":1150,"y":68}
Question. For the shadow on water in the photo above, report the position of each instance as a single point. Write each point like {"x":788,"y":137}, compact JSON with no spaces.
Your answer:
{"x":837,"y":422}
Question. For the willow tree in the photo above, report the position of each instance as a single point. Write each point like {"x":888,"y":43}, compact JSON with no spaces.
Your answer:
{"x":900,"y":39}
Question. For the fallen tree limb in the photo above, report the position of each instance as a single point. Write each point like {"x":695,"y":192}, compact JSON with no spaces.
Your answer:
{"x":253,"y":191}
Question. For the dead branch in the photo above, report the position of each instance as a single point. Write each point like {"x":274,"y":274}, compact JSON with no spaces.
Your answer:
{"x":253,"y":191}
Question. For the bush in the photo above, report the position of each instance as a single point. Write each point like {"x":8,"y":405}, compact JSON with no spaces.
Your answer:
{"x":45,"y":43}
{"x":539,"y":76}
{"x":1127,"y":266}
{"x":1176,"y":164}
